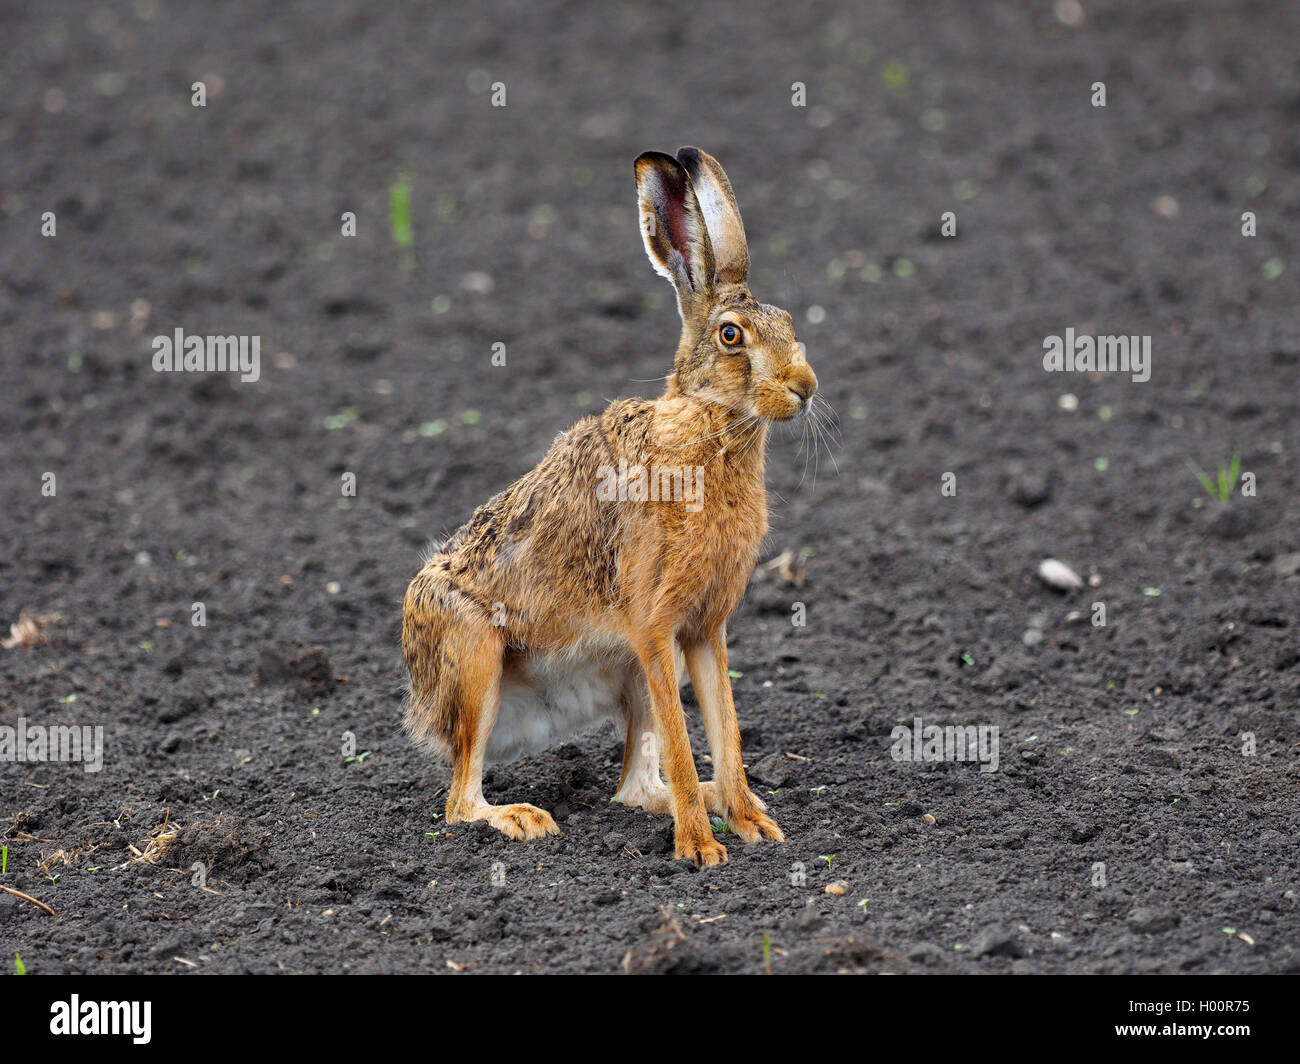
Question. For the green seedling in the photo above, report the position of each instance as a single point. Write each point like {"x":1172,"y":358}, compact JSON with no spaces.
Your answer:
{"x":19,"y":967}
{"x":767,"y":953}
{"x":342,"y":419}
{"x":1221,"y":487}
{"x":828,"y":858}
{"x":894,"y":74}
{"x":357,"y":759}
{"x":735,"y":674}
{"x":4,"y":859}
{"x":399,"y":221}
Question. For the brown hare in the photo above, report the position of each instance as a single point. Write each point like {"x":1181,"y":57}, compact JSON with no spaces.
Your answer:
{"x":579,"y":592}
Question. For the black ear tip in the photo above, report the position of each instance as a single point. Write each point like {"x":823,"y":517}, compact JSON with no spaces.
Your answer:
{"x":656,"y":159}
{"x":690,"y":158}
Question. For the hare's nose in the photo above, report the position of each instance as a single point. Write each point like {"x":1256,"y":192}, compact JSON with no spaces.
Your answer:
{"x":803,"y":388}
{"x":803,"y":382}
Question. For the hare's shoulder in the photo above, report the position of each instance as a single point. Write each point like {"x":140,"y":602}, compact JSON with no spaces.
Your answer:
{"x":547,"y":498}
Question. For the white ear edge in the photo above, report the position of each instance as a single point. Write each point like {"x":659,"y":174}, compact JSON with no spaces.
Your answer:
{"x":648,"y":222}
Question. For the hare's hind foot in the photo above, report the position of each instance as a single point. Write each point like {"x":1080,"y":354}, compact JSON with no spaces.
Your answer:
{"x":520,"y":821}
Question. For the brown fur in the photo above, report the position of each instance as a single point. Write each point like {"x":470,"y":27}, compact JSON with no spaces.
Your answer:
{"x":546,"y":565}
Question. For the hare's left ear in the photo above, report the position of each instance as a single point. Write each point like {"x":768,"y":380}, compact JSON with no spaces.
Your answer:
{"x":676,"y":236}
{"x":721,"y":215}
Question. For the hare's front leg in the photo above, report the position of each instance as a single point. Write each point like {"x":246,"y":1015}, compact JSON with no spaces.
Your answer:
{"x":737,"y":804}
{"x":694,"y":834}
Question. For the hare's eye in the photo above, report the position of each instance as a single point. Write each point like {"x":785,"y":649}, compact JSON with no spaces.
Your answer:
{"x":730,"y":335}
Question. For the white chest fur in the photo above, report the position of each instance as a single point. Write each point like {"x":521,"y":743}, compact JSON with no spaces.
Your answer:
{"x":547,"y":698}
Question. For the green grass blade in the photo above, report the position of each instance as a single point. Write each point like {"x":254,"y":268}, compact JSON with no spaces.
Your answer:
{"x":1206,"y":483}
{"x":399,"y":220}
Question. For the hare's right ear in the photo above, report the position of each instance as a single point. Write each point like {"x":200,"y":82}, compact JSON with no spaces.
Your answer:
{"x":676,"y":237}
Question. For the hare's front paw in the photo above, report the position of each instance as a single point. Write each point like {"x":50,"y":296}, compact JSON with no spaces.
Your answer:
{"x":713,"y":799}
{"x":747,"y":818}
{"x":752,"y":826}
{"x":522,"y":821}
{"x":703,"y":849}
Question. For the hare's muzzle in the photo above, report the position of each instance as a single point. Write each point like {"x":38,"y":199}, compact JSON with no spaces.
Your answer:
{"x":801,"y":382}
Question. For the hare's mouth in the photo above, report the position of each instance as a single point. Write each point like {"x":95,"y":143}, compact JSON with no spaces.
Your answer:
{"x":781,"y":403}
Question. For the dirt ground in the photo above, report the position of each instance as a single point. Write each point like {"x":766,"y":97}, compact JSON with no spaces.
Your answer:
{"x":1144,"y":815}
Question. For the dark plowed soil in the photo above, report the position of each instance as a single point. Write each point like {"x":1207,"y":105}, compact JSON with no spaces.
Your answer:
{"x":1144,"y":814}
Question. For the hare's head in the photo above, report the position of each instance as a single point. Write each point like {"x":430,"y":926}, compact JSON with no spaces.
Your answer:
{"x":734,"y":350}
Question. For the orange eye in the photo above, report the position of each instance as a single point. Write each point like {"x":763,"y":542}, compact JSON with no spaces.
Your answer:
{"x":730,"y":335}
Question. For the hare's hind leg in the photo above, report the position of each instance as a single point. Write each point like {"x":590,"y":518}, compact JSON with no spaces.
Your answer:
{"x":454,"y":655}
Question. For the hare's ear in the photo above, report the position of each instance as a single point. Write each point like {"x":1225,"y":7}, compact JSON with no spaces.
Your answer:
{"x":676,"y":236}
{"x":721,"y":215}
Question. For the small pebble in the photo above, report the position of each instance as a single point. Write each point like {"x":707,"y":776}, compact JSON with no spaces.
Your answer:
{"x":1059,"y":575}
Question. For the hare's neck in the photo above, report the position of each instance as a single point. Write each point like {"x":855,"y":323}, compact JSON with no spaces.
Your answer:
{"x":729,"y":437}
{"x":744,"y":442}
